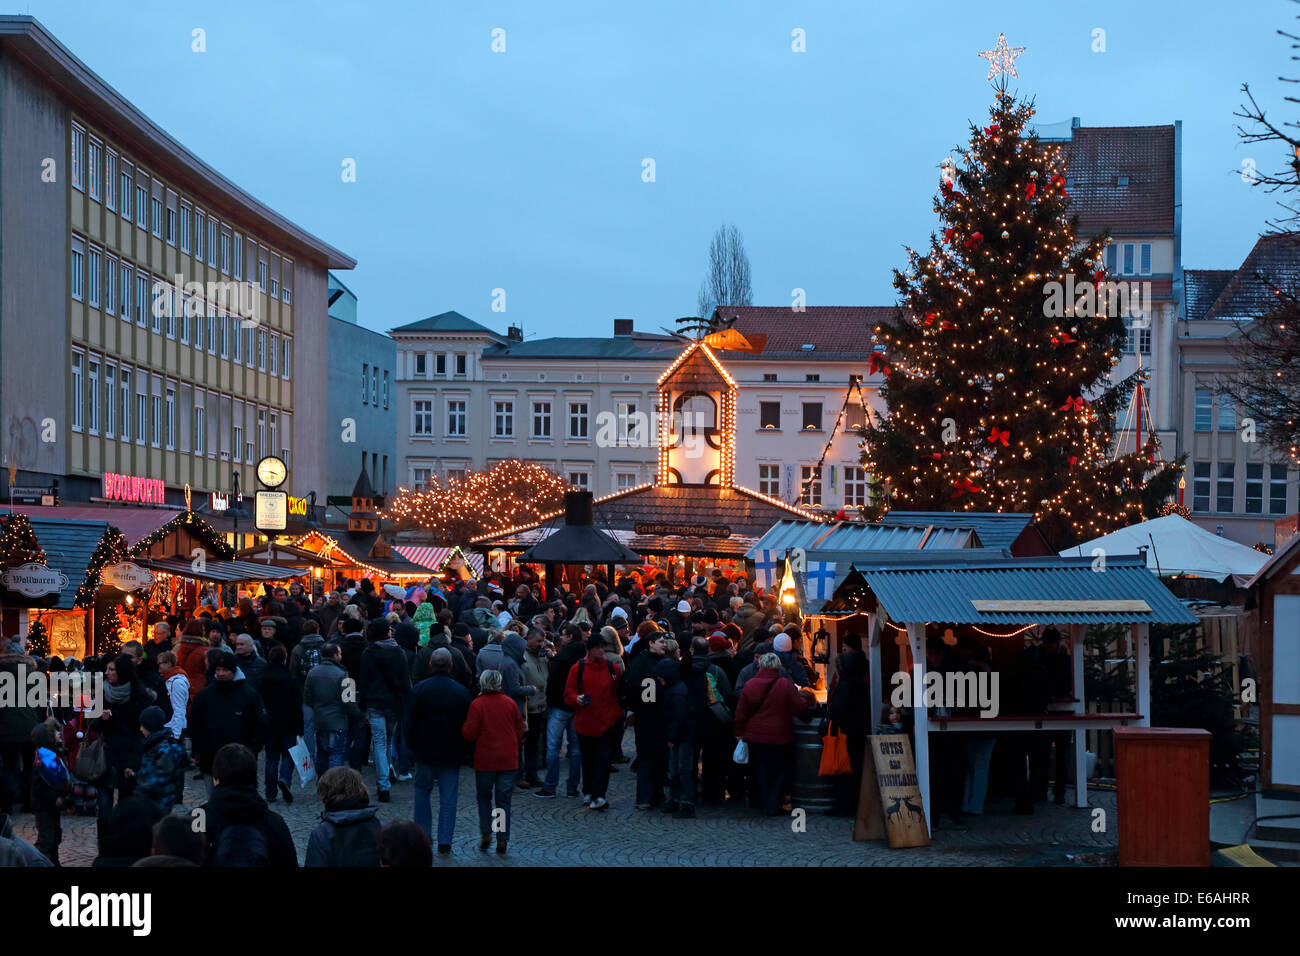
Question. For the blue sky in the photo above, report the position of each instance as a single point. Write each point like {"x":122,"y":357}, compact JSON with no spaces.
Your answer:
{"x":522,"y":170}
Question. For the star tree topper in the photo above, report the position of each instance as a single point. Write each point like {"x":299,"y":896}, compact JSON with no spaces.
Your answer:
{"x":1002,"y":58}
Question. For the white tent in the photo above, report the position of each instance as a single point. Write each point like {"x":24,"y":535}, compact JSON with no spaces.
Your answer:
{"x":1177,"y":546}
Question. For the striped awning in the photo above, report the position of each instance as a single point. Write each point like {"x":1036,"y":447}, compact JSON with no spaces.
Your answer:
{"x":435,"y":558}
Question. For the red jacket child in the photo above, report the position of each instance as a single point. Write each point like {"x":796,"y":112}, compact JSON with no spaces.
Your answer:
{"x":497,"y":730}
{"x":600,"y":685}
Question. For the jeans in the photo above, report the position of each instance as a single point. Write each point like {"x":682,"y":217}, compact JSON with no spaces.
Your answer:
{"x":279,"y":765}
{"x":533,"y":736}
{"x":558,"y":724}
{"x":490,"y":783}
{"x":979,"y":753}
{"x":651,"y":768}
{"x":331,"y":750}
{"x":381,"y":727}
{"x":681,"y":771}
{"x":403,"y":756}
{"x":358,"y":742}
{"x":448,"y":780}
{"x":309,"y":730}
{"x":770,"y":763}
{"x":597,"y":757}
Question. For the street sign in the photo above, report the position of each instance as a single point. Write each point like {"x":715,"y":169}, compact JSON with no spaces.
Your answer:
{"x":272,"y":511}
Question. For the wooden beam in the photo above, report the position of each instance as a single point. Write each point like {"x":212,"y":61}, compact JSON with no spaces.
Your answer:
{"x":921,"y":720}
{"x":1072,"y":606}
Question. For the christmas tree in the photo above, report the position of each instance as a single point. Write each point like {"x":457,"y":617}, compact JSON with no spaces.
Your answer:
{"x":18,"y":544}
{"x":38,"y":639}
{"x":996,"y":364}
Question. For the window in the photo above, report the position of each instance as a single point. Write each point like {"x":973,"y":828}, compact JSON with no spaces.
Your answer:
{"x":225,"y":252}
{"x":78,"y":157}
{"x":77,"y":359}
{"x":261,"y":434}
{"x":225,"y":336}
{"x":374,"y":382}
{"x":171,"y":226}
{"x":1277,"y":489}
{"x":855,"y":416}
{"x":1128,"y":258}
{"x":155,"y":420}
{"x":110,"y":285}
{"x":422,"y":417}
{"x":275,"y":283}
{"x":250,"y":348}
{"x":237,"y":440}
{"x":769,"y":414}
{"x":1202,"y":409}
{"x":286,"y":365}
{"x":261,"y":350}
{"x":503,"y":419}
{"x":171,"y":312}
{"x":365,"y":381}
{"x":94,"y":262}
{"x":455,"y":474}
{"x":812,"y":377}
{"x":239,"y":256}
{"x":141,"y":298}
{"x":1223,"y":488}
{"x":92,"y":390}
{"x":810,"y":486}
{"x":273,"y":353}
{"x":199,"y":229}
{"x":125,"y":275}
{"x":420,"y":478}
{"x":421,"y":367}
{"x":855,"y":485}
{"x":541,"y":420}
{"x":384,"y":393}
{"x":78,"y":269}
{"x":212,"y":242}
{"x":460,"y":363}
{"x":440,"y":365}
{"x":624,"y":480}
{"x":156,"y":217}
{"x":185,"y":228}
{"x":171,"y":418}
{"x":812,"y":416}
{"x":248,"y":452}
{"x":286,"y":282}
{"x":200,"y":431}
{"x":769,"y":480}
{"x":1144,"y":258}
{"x":1139,"y":334}
{"x":94,"y":168}
{"x":141,"y":204}
{"x":124,"y":391}
{"x":273,"y":436}
{"x":456,"y":419}
{"x":261,"y":275}
{"x":157,"y":305}
{"x":110,"y":401}
{"x":125,"y":182}
{"x":1201,"y":486}
{"x":580,"y":480}
{"x":212,"y":329}
{"x":629,"y":428}
{"x":110,"y":180}
{"x":1227,"y":416}
{"x":1254,"y":489}
{"x":578,"y":420}
{"x":141,"y":413}
{"x":769,"y":376}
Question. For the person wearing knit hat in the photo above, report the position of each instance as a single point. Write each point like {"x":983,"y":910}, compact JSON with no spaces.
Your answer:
{"x":161,"y":777}
{"x":683,"y":607}
{"x":718,"y":642}
{"x":783,"y":647}
{"x":782,"y":643}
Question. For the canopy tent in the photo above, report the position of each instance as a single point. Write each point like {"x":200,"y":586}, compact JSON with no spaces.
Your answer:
{"x":1176,"y":546}
{"x":435,"y":559}
{"x":225,"y":572}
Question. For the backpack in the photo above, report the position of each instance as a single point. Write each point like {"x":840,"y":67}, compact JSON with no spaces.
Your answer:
{"x":582,"y":665}
{"x":717,"y":703}
{"x":309,"y":658}
{"x":241,"y":844}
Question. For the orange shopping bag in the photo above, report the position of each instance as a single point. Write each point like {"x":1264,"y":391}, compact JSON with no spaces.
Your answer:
{"x":835,"y":754}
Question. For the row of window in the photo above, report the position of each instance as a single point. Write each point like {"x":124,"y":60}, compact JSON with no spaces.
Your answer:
{"x":577,"y":421}
{"x":1204,"y":413}
{"x":370,"y":394}
{"x":1221,"y":480}
{"x":120,"y":401}
{"x":459,"y":361}
{"x":1128,"y":258}
{"x":120,"y":185}
{"x":422,"y":478}
{"x":103,"y":281}
{"x":371,"y":464}
{"x":855,"y":484}
{"x":769,"y":416}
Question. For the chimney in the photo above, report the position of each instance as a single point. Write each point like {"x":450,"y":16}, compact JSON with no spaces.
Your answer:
{"x":514,"y":334}
{"x":622,"y":327}
{"x":579,"y":509}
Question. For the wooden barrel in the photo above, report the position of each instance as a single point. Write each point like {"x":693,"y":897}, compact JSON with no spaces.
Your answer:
{"x":811,"y":791}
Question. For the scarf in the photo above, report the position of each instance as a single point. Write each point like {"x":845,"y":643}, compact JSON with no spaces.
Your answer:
{"x":117,"y":693}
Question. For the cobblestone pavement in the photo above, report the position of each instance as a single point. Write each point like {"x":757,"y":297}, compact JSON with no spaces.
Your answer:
{"x":561,"y":832}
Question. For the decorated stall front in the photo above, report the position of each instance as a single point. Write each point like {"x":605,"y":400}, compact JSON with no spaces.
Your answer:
{"x":444,"y":561}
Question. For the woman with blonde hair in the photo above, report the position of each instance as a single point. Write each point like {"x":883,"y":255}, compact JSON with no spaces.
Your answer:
{"x":580,"y":616}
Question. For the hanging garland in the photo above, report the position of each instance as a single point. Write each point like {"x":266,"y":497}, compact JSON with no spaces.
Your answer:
{"x":855,"y":385}
{"x":110,"y":550}
{"x":18,"y":544}
{"x":193,"y":522}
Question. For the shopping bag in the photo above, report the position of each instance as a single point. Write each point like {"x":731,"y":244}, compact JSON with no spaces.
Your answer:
{"x":835,"y":755}
{"x":92,"y":760}
{"x":303,"y":765}
{"x":741,"y":753}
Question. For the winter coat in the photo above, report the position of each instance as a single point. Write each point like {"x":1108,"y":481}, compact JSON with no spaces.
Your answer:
{"x":226,"y":712}
{"x":496,"y":729}
{"x":16,"y":723}
{"x":323,"y":693}
{"x":792,"y":664}
{"x":243,"y":806}
{"x":678,"y":714}
{"x":179,"y":692}
{"x":850,"y":705}
{"x":161,"y":777}
{"x":123,"y":744}
{"x":192,"y":657}
{"x":424,"y":621}
{"x":496,"y":657}
{"x":601,"y":686}
{"x":537,"y":672}
{"x":643,"y":665}
{"x":354,"y":646}
{"x":406,"y":634}
{"x":749,"y":619}
{"x":698,"y":685}
{"x":283,"y":702}
{"x":435,"y":715}
{"x":385,"y":677}
{"x":558,"y":677}
{"x":309,"y":643}
{"x":764,"y":713}
{"x":252,"y":666}
{"x":346,"y":836}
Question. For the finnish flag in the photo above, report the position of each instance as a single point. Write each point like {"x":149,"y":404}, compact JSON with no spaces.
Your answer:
{"x":821,"y":580}
{"x":765,"y":569}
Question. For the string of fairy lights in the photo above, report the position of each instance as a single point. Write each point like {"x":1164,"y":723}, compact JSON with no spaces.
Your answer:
{"x":855,"y":387}
{"x":997,"y":401}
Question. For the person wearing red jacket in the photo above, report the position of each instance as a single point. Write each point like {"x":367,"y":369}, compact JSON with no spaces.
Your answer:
{"x":592,"y":691}
{"x":767,"y":706}
{"x":497,"y":732}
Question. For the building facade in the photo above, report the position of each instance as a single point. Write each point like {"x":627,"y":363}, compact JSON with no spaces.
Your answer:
{"x":469,"y":397}
{"x":361,"y":431}
{"x":159,"y":325}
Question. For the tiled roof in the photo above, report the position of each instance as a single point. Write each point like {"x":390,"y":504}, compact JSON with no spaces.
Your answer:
{"x":835,"y":332}
{"x":640,"y":345}
{"x":1276,"y":260}
{"x":1201,"y":287}
{"x":447,"y":322}
{"x":1096,"y":157}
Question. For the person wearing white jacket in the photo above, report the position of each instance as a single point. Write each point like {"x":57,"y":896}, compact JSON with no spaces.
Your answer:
{"x":178,"y":691}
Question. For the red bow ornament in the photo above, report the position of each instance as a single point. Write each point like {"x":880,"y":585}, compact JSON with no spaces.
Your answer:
{"x":877,"y":364}
{"x":1073,"y":461}
{"x":999,"y":436}
{"x":1030,"y":190}
{"x":948,"y":234}
{"x":1074,"y":404}
{"x":964,"y":486}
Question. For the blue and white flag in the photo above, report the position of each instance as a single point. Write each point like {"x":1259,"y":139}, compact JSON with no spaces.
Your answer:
{"x":766,"y":574}
{"x":821,"y":580}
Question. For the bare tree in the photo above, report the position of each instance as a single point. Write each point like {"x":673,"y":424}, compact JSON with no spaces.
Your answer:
{"x":727,"y":281}
{"x":1260,"y":129}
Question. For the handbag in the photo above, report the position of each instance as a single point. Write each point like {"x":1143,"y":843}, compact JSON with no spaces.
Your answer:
{"x":835,"y":754}
{"x":717,"y":706}
{"x":92,"y":760}
{"x":303,"y":765}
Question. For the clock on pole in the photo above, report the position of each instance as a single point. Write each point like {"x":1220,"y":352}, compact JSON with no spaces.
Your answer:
{"x":271,"y":471}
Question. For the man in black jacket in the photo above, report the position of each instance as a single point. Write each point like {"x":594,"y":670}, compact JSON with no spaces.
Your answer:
{"x":435,"y":714}
{"x":461,"y":645}
{"x":226,"y":711}
{"x":383,"y":688}
{"x":238,"y":828}
{"x":559,"y":715}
